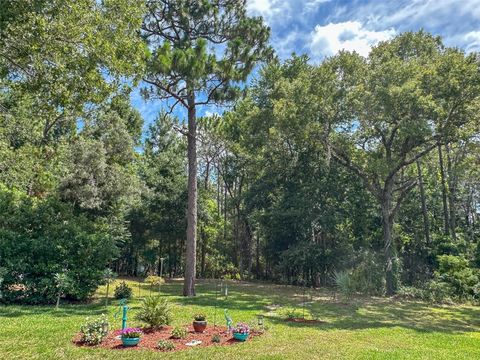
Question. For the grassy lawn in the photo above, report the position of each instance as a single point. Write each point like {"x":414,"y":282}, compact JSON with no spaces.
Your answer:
{"x":361,"y":329}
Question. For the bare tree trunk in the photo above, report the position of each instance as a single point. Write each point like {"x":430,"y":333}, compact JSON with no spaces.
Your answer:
{"x":203,"y":263}
{"x":191,"y":245}
{"x":387,"y":224}
{"x":258,"y":257}
{"x":444,"y":192}
{"x":426,"y":225}
{"x":451,"y":193}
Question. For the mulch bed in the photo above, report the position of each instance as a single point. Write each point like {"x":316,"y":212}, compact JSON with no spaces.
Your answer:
{"x":150,"y":339}
{"x":305,"y":321}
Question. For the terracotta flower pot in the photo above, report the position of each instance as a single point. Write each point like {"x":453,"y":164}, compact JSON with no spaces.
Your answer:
{"x":199,"y":326}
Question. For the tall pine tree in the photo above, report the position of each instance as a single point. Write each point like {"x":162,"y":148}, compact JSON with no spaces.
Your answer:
{"x":200,"y":52}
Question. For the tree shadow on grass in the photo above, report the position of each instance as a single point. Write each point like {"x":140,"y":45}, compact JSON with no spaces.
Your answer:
{"x":410,"y":315}
{"x":12,"y":311}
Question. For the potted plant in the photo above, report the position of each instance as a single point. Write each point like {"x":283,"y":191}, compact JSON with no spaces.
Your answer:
{"x":199,"y":322}
{"x":130,"y":336}
{"x":241,"y":332}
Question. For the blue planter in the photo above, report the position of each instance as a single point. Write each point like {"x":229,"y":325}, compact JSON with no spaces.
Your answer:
{"x":240,"y":337}
{"x":130,"y":341}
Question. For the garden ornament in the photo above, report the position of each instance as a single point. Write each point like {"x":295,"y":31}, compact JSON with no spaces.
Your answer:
{"x":124,"y":308}
{"x":229,"y":320}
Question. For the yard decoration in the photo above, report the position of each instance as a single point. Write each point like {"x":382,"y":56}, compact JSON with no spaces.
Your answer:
{"x":200,"y":322}
{"x":193,"y":343}
{"x":130,"y":336}
{"x":260,"y":321}
{"x":229,"y":320}
{"x":124,"y":309}
{"x":241,"y":332}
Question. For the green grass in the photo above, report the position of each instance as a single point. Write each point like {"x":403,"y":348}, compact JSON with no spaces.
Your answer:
{"x":367,"y":328}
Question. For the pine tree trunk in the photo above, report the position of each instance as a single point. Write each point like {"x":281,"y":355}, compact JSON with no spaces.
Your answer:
{"x":191,"y":245}
{"x":426,"y":225}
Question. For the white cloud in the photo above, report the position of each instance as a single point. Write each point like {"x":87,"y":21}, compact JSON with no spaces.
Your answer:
{"x":209,"y":113}
{"x":263,"y":7}
{"x":311,"y":5}
{"x":350,"y":35}
{"x":472,"y":41}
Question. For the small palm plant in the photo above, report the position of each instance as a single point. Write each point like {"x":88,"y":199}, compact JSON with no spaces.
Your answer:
{"x":155,"y":311}
{"x":344,"y":283}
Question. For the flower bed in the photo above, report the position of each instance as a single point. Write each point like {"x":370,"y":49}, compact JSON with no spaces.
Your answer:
{"x":150,"y":339}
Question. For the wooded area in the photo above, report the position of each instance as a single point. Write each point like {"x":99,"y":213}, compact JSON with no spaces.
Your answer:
{"x":358,"y":172}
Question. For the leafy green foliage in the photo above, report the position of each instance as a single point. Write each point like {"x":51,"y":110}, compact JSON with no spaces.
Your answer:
{"x":345,"y":283}
{"x":200,"y":317}
{"x":94,"y":330}
{"x":165,"y":345}
{"x":216,"y":338}
{"x":43,"y":237}
{"x":179,"y":333}
{"x":455,"y":273}
{"x":154,"y":280}
{"x":123,"y":291}
{"x":155,"y":311}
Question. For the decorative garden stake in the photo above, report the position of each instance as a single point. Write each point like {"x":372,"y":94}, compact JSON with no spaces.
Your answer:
{"x":260,"y":321}
{"x":216,"y":303}
{"x":229,"y":320}
{"x":303,"y":305}
{"x":161,"y":266}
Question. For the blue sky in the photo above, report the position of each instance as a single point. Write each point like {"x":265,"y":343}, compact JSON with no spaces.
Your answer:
{"x":321,"y":28}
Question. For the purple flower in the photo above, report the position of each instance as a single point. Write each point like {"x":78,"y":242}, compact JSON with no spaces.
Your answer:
{"x":241,"y":328}
{"x":131,"y":333}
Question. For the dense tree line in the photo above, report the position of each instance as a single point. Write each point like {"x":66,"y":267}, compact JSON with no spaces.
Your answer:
{"x":365,"y":166}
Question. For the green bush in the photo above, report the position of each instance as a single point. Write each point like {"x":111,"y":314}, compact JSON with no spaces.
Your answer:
{"x":179,"y":333}
{"x":155,"y":311}
{"x":344,"y":283}
{"x":123,"y":291}
{"x":457,"y":273}
{"x":368,"y":275}
{"x":216,"y":338}
{"x":41,"y":237}
{"x":154,"y":280}
{"x":165,"y":345}
{"x":94,"y":331}
{"x":200,"y":317}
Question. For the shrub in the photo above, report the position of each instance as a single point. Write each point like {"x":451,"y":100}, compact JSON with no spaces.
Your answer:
{"x":94,"y":331}
{"x":291,"y":313}
{"x":154,"y":280}
{"x":200,"y":317}
{"x":411,"y":293}
{"x":179,"y":333}
{"x":131,"y":333}
{"x":457,"y":275}
{"x":368,"y":276}
{"x":123,"y":291}
{"x":155,"y":311}
{"x":216,"y":338}
{"x":166,"y":345}
{"x":40,"y":237}
{"x":344,"y":283}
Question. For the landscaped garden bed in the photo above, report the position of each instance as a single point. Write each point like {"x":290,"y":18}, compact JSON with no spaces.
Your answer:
{"x":211,"y":336}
